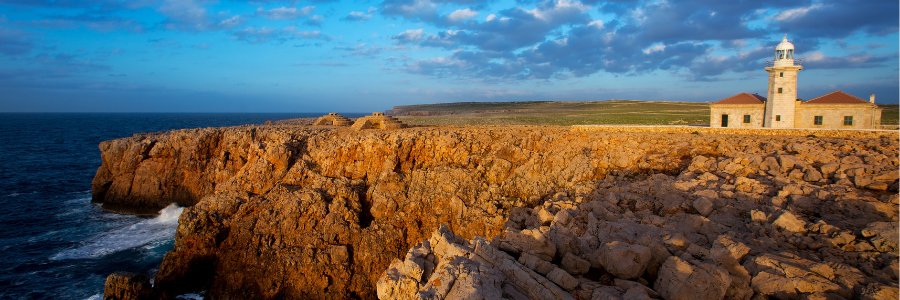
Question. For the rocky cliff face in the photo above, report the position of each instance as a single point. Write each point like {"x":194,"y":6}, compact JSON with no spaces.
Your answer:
{"x":300,"y":212}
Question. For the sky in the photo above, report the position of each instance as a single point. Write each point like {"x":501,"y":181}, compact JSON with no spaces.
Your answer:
{"x":364,"y":56}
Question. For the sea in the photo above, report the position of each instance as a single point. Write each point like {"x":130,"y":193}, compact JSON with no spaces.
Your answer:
{"x":56,"y":244}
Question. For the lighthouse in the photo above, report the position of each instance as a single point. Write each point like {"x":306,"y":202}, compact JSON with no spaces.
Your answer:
{"x":782,"y":95}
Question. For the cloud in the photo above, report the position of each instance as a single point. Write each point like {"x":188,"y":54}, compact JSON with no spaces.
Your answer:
{"x":410,"y":35}
{"x":260,"y":35}
{"x":509,"y":29}
{"x":461,"y":15}
{"x":357,"y":16}
{"x":361,"y":49}
{"x":231,"y":22}
{"x":819,"y":60}
{"x":695,"y":39}
{"x":184,"y":15}
{"x":286,"y":13}
{"x":794,"y":13}
{"x":839,"y":18}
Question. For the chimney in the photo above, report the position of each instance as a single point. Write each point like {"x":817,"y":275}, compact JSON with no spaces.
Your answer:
{"x":872,"y":98}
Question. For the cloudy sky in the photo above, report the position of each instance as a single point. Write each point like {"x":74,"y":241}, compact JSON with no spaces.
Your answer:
{"x":362,"y":56}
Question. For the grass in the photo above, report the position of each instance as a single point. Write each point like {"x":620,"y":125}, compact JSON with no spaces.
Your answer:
{"x":558,"y":113}
{"x":613,"y":112}
{"x":890,"y":115}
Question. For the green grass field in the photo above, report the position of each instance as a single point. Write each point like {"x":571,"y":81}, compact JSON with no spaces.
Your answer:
{"x":560,"y":113}
{"x":613,"y":112}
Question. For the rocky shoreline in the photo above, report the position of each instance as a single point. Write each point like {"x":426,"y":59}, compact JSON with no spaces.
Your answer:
{"x":295,"y":211}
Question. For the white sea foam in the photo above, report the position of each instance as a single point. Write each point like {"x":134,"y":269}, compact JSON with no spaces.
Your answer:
{"x":192,"y":296}
{"x":145,"y":232}
{"x":16,"y":194}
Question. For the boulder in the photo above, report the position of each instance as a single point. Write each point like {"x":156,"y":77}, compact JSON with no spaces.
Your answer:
{"x":883,"y":235}
{"x":787,"y":162}
{"x":623,"y":260}
{"x":703,"y":206}
{"x":563,"y":279}
{"x":531,"y":241}
{"x":790,"y":222}
{"x":789,"y":276}
{"x":758,"y":216}
{"x":127,"y":286}
{"x":574,"y":264}
{"x":682,"y":280}
{"x":812,"y":175}
{"x":728,"y":245}
{"x":465,"y":270}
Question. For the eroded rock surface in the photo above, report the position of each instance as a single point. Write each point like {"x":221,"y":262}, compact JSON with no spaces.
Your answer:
{"x":287,"y":211}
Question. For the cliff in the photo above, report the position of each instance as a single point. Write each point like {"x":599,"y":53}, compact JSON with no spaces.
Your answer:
{"x":285,"y":211}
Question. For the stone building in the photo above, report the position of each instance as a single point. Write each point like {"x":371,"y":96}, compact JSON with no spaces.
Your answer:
{"x":781,"y":108}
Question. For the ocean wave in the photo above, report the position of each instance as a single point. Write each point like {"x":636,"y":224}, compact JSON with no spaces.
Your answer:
{"x":191,"y":296}
{"x":16,"y":194}
{"x":145,"y":232}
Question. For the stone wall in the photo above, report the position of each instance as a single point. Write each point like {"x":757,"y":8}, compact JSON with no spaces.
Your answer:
{"x":736,"y":114}
{"x":833,"y":133}
{"x":864,"y":116}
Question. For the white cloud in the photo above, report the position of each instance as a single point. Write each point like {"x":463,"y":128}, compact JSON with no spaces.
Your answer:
{"x":796,"y":12}
{"x":814,"y":56}
{"x":286,"y":13}
{"x":411,"y":35}
{"x":462,"y":15}
{"x":231,"y":22}
{"x":358,"y":15}
{"x":654,"y":48}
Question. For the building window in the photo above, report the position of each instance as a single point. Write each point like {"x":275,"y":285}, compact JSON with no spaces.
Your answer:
{"x":777,"y":118}
{"x":848,"y":120}
{"x":780,"y":74}
{"x":817,"y":120}
{"x":746,"y":118}
{"x":779,"y":90}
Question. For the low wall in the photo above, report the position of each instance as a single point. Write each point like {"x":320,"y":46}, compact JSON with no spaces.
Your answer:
{"x":838,"y":133}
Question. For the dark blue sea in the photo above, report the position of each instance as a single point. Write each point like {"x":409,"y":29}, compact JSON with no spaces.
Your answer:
{"x":55,"y":243}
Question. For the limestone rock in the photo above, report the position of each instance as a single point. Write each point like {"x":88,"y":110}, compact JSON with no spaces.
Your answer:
{"x":574,"y":264}
{"x":883,"y":235}
{"x":623,"y":260}
{"x":531,"y":241}
{"x":127,"y":286}
{"x":758,"y":216}
{"x":782,"y":276}
{"x":295,"y":211}
{"x":703,"y":206}
{"x":563,"y":279}
{"x":466,"y":270}
{"x":878,"y":291}
{"x":679,"y":279}
{"x":790,"y":222}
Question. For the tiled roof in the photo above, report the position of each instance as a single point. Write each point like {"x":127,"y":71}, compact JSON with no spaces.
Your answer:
{"x":836,"y":97}
{"x":743,"y":98}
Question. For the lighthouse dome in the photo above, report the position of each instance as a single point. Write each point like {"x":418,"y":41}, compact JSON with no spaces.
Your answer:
{"x":784,"y":53}
{"x":785,"y":45}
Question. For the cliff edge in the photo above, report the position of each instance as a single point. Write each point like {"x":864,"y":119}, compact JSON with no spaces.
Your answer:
{"x":285,"y":211}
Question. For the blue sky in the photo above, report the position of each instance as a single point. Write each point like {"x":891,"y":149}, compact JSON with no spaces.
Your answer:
{"x":362,"y":56}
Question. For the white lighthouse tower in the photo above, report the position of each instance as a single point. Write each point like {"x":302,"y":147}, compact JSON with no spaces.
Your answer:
{"x":782,"y":94}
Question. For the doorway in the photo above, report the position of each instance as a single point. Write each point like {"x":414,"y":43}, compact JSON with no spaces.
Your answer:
{"x":724,"y":120}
